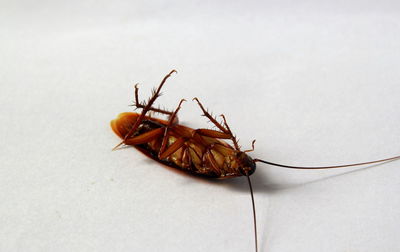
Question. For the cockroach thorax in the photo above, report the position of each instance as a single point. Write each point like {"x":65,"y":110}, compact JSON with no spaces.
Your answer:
{"x":247,"y":166}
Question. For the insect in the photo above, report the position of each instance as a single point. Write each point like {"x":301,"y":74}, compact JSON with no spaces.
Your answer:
{"x":201,"y":152}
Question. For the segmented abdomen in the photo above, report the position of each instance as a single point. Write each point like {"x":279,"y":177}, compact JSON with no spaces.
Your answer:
{"x":199,"y":155}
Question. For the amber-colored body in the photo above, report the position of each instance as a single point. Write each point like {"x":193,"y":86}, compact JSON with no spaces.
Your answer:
{"x":198,"y":153}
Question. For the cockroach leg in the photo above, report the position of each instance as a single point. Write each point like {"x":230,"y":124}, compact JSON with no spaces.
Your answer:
{"x":137,"y":104}
{"x":145,"y":137}
{"x":208,"y":158}
{"x":252,"y":146}
{"x":173,"y":118}
{"x":156,"y":94}
{"x":235,"y":142}
{"x":137,"y":94}
{"x":212,"y":133}
{"x":171,"y":121}
{"x":172,"y":148}
{"x":210,"y":117}
{"x":225,"y":129}
{"x":186,"y":158}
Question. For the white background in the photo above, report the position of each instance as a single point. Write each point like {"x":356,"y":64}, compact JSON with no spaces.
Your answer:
{"x":315,"y":83}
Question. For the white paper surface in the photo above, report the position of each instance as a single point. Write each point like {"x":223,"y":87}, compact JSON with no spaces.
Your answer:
{"x":315,"y":83}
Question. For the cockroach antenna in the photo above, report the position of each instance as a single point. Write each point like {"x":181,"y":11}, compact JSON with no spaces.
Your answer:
{"x":254,"y":213}
{"x":327,"y":167}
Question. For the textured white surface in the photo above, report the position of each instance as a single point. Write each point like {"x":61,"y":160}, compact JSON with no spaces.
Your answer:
{"x":315,"y":84}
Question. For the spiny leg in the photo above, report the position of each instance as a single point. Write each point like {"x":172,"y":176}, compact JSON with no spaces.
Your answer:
{"x":171,"y":121}
{"x":156,"y":94}
{"x":235,"y":142}
{"x":252,"y":146}
{"x":225,"y":129}
{"x":210,"y":117}
{"x":137,"y":104}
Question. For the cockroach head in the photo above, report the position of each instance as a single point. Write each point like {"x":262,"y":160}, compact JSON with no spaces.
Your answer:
{"x":247,"y":166}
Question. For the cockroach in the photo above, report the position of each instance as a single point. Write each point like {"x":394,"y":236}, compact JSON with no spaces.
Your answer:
{"x":200,"y":152}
